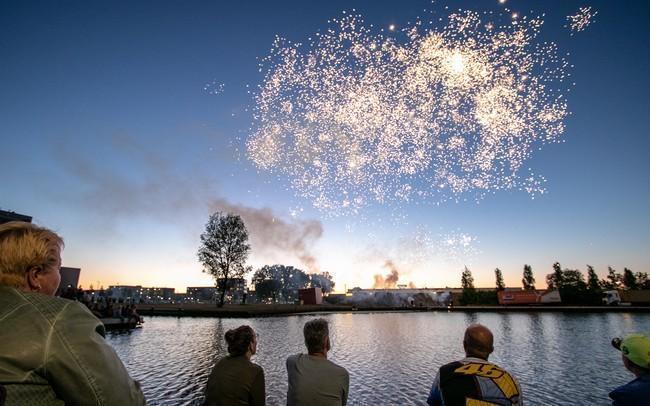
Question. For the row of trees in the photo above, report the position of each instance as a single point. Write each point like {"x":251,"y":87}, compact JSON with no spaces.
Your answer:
{"x":223,"y":253}
{"x":570,"y":282}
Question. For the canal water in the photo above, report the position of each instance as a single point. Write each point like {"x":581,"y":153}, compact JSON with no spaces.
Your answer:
{"x":558,"y":358}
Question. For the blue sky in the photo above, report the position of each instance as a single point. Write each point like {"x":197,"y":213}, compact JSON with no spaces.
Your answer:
{"x":110,"y":139}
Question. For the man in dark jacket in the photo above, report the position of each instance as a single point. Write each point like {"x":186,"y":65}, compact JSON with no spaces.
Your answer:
{"x":474,"y":380}
{"x":635,"y":351}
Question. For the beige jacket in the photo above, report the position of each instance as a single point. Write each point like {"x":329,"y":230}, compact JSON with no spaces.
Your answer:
{"x":53,"y":352}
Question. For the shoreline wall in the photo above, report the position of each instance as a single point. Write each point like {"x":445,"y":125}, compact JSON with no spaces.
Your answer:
{"x":256,"y":310}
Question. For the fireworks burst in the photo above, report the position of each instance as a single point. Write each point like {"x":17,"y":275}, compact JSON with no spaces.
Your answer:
{"x":581,"y":20}
{"x":424,"y":114}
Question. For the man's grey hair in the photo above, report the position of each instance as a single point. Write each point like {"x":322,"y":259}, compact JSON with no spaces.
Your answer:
{"x":316,"y":331}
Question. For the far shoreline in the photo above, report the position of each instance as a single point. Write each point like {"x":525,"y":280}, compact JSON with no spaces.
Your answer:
{"x":278,"y":310}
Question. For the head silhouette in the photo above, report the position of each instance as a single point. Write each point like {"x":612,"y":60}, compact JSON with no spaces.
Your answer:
{"x":478,"y":341}
{"x":241,"y":340}
{"x":317,"y":336}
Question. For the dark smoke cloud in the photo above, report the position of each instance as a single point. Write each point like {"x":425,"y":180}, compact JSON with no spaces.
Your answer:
{"x":390,"y":280}
{"x":156,"y":186}
{"x":270,"y":233}
{"x":131,"y":178}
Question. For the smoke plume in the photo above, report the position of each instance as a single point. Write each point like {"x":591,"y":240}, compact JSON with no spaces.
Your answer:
{"x":397,"y":298}
{"x":271,"y":234}
{"x":390,"y":280}
{"x":155,"y":187}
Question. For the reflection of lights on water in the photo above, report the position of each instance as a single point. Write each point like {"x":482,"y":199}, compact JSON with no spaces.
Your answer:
{"x":355,"y":117}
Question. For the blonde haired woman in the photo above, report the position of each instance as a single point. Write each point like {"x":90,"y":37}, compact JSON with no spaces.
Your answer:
{"x":52,"y":350}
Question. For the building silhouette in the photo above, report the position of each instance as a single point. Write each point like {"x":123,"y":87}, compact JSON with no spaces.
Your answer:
{"x":141,"y":294}
{"x":7,"y":216}
{"x":69,"y":279}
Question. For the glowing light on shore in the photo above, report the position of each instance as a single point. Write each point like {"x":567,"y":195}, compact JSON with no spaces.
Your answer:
{"x":355,"y":117}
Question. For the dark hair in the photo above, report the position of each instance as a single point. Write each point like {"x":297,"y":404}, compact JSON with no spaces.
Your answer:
{"x":316,"y":331}
{"x":239,"y":339}
{"x":478,"y":341}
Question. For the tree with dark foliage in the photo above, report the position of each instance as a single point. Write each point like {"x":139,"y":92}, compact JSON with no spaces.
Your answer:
{"x":528,"y":281}
{"x":629,"y":280}
{"x":499,"y":277}
{"x":593,"y":284}
{"x":614,"y":279}
{"x":224,"y":249}
{"x":642,"y":281}
{"x":279,"y":283}
{"x":467,"y":283}
{"x":321,"y":280}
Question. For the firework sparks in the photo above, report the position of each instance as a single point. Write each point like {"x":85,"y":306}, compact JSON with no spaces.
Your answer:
{"x":214,"y":87}
{"x":356,"y":118}
{"x":454,"y":247}
{"x":581,"y":20}
{"x":458,"y":247}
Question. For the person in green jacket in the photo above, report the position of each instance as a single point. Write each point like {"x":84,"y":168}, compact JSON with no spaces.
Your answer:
{"x":52,"y":350}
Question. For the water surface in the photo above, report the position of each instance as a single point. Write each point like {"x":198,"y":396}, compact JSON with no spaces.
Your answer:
{"x":558,"y":358}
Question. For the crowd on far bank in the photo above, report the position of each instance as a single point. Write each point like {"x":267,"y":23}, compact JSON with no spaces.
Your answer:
{"x":102,"y":306}
{"x":53,"y":350}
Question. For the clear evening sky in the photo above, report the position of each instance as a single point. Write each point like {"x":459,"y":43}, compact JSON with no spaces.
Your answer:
{"x":110,"y":138}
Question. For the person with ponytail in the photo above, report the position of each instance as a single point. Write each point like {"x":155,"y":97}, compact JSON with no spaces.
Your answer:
{"x":235,"y":380}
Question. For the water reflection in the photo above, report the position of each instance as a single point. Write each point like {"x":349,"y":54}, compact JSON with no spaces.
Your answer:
{"x":392,"y":358}
{"x":471,"y":318}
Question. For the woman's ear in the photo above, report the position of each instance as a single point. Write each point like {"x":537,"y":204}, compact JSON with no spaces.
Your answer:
{"x":32,"y":276}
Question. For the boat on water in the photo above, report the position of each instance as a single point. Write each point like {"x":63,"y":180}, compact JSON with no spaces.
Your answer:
{"x":119,"y":324}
